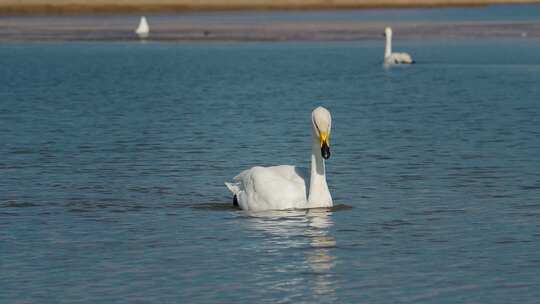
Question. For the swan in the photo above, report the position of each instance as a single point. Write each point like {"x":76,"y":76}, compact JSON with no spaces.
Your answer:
{"x":143,"y":30}
{"x":394,"y":58}
{"x":284,"y":187}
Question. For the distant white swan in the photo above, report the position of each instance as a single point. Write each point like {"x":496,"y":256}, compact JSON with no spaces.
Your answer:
{"x":143,"y":30}
{"x":394,"y":58}
{"x":284,"y":187}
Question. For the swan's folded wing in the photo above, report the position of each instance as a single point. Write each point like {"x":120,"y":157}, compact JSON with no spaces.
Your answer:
{"x":270,"y":188}
{"x":404,"y":57}
{"x":397,"y":58}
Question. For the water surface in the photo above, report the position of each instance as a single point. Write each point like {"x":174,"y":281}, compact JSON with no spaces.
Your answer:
{"x":113,"y":158}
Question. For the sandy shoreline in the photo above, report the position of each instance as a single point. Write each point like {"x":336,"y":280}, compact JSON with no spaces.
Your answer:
{"x":329,"y":25}
{"x":43,"y":7}
{"x":175,"y":29}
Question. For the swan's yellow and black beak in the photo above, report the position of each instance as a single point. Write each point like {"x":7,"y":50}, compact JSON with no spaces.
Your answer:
{"x":325,"y":145}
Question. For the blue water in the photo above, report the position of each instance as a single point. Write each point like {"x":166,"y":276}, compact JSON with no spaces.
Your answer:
{"x":113,"y":158}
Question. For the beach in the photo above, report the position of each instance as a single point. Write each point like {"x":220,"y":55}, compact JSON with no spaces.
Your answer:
{"x":262,"y":20}
{"x":160,"y":6}
{"x":278,"y":26}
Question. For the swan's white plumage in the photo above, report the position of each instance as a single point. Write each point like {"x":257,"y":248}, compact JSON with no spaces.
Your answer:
{"x":394,"y":58}
{"x":270,"y":188}
{"x":398,"y":58}
{"x":143,"y":30}
{"x":286,"y":187}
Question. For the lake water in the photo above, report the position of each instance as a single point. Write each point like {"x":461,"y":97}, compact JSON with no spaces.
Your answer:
{"x":113,"y":158}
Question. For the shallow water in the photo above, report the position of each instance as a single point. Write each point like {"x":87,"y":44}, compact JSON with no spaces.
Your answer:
{"x":113,"y":158}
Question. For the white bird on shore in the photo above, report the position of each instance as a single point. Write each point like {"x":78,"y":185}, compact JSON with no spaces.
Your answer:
{"x":394,"y":58}
{"x":143,"y":30}
{"x":284,"y":187}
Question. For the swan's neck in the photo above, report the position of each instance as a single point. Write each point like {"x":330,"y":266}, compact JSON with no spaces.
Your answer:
{"x":319,"y":195}
{"x":388,"y":48}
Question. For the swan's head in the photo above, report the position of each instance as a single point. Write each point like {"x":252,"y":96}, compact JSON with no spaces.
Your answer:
{"x":388,"y":32}
{"x":322,"y":123}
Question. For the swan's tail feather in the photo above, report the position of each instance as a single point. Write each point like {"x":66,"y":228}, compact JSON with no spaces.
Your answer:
{"x":234,"y":188}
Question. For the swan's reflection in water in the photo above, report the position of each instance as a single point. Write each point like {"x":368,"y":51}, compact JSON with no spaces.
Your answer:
{"x":306,"y":232}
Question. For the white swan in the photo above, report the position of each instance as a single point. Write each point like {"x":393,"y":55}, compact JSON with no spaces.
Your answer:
{"x":143,"y":30}
{"x":394,"y":58}
{"x":284,"y":187}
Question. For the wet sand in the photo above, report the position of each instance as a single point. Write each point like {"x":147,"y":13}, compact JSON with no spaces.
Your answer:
{"x":227,"y":27}
{"x":162,"y":6}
